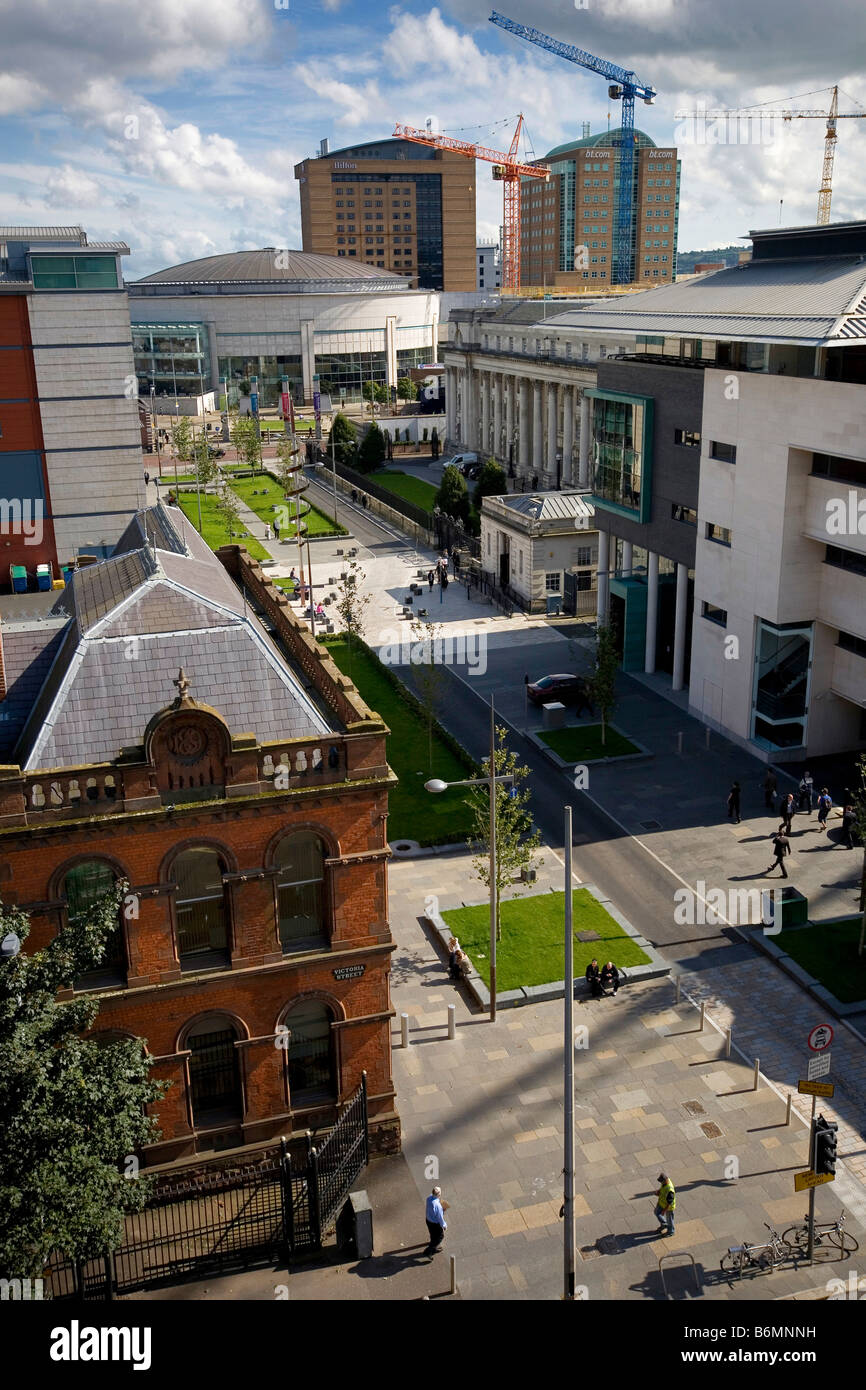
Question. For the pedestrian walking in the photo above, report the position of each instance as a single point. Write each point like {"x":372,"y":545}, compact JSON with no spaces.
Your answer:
{"x":781,"y":847}
{"x":770,"y":788}
{"x":848,"y":819}
{"x":430,"y":580}
{"x":276,"y":529}
{"x":666,"y":1205}
{"x":436,"y":1224}
{"x":443,"y":584}
{"x":825,"y":806}
{"x":806,"y":788}
{"x":734,"y":803}
{"x":146,"y":477}
{"x":267,"y":530}
{"x":787,"y":808}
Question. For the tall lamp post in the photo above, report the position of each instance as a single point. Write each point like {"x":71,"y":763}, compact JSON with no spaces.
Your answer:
{"x":436,"y":785}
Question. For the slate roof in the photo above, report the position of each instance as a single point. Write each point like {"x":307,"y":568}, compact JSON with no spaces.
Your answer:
{"x":132,"y":621}
{"x":810,"y":300}
{"x":549,"y":506}
{"x":27,"y":658}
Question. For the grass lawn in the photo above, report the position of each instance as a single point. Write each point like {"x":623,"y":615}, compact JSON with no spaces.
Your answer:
{"x":408,"y":487}
{"x":214,"y":528}
{"x":318,"y":524}
{"x":532,"y":949}
{"x":829,"y":952}
{"x":583,"y":743}
{"x":413,"y":813}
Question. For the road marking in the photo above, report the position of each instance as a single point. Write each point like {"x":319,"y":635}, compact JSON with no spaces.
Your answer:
{"x":562,"y":862}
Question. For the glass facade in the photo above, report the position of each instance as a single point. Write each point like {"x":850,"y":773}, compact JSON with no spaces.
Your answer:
{"x":620,"y":453}
{"x":74,"y":272}
{"x":428,"y":218}
{"x":412,"y":357}
{"x":780,"y":698}
{"x":269,"y":370}
{"x":171,"y":357}
{"x":342,"y":374}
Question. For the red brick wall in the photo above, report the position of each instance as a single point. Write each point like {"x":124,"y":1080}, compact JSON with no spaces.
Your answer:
{"x":21,"y":424}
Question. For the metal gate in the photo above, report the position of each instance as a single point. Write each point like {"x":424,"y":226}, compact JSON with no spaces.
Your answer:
{"x":228,"y":1218}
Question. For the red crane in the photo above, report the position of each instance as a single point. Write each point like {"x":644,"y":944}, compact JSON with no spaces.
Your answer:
{"x":508,"y":169}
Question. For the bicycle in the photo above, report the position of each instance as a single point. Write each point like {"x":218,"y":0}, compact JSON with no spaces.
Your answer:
{"x":827,"y":1233}
{"x":759,"y":1258}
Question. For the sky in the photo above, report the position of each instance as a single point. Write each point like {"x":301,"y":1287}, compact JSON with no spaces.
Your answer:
{"x":176,"y":125}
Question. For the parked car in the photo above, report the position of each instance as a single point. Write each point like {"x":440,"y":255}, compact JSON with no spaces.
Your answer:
{"x":462,"y":461}
{"x":563,"y":688}
{"x":216,"y":453}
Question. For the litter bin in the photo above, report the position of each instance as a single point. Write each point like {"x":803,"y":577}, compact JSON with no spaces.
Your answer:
{"x":355,"y":1225}
{"x":43,"y":577}
{"x":18,"y":576}
{"x":794,"y":904}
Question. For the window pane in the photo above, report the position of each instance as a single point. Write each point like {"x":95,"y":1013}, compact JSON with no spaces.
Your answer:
{"x":200,"y":906}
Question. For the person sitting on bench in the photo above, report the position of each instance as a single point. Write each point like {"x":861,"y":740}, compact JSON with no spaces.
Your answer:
{"x":609,"y":978}
{"x":593,"y":979}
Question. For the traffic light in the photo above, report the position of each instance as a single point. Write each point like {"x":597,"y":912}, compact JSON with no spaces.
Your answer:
{"x":824,"y":1145}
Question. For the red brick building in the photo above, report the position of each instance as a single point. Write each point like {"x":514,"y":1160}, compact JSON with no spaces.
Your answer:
{"x":156,"y":729}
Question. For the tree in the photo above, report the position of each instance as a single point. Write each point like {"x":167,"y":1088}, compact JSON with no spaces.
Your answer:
{"x":246,"y":441}
{"x":206,"y":470}
{"x":371,"y":454}
{"x":492,"y":482}
{"x":72,"y":1107}
{"x":602,"y":684}
{"x":407,"y":389}
{"x":352,"y":604}
{"x":516,"y":841}
{"x":230,"y":511}
{"x":453,"y":497}
{"x":181,"y":439}
{"x":428,"y":673}
{"x":344,"y":436}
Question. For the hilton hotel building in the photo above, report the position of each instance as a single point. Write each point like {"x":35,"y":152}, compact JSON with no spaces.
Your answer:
{"x":394,"y":205}
{"x":577,"y":207}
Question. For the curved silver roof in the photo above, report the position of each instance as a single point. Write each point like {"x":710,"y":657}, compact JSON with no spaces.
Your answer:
{"x":273,"y":270}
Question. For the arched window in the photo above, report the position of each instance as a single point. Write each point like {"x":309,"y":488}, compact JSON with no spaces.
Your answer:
{"x":214,"y":1073}
{"x":202,"y":926}
{"x":84,"y":886}
{"x":300,"y":860}
{"x":312,"y":1074}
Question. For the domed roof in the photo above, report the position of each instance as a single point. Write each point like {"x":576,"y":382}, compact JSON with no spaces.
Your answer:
{"x":604,"y":140}
{"x":278,"y":271}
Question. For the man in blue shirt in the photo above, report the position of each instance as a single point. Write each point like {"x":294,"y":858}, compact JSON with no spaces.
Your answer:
{"x":436,"y":1223}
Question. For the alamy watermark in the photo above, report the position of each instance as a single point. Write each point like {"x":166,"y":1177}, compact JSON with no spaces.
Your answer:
{"x":714,"y":907}
{"x":464,"y":649}
{"x":22,"y":516}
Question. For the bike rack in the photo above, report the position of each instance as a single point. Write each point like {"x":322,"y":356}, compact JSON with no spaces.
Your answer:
{"x":678,"y":1254}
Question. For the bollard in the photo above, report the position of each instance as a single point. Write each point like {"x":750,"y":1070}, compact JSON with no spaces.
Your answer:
{"x":677,"y":998}
{"x":757,"y":1073}
{"x":788,"y":1110}
{"x":703,"y":1014}
{"x":404,"y":1030}
{"x":727,"y":1042}
{"x":452,"y":1021}
{"x":453,"y":1273}
{"x":708,"y":735}
{"x":679,"y":743}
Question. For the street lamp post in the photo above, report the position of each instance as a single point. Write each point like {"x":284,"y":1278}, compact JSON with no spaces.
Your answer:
{"x":568,"y":1080}
{"x":436,"y":785}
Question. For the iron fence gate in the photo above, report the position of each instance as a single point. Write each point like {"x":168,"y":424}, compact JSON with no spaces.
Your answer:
{"x":224,"y":1219}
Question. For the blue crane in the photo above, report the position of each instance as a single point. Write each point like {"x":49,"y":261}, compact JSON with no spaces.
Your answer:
{"x":623,"y":86}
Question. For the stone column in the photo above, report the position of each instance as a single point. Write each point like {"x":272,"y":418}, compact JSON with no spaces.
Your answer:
{"x":567,"y":436}
{"x":680,"y":627}
{"x":552,"y":431}
{"x":467,"y":423}
{"x":603,"y":577}
{"x":627,"y":558}
{"x":509,"y":416}
{"x":497,"y":415}
{"x":537,"y":431}
{"x":485,"y":414}
{"x":522,"y":462}
{"x":584,"y":466}
{"x":450,"y":405}
{"x":652,"y":608}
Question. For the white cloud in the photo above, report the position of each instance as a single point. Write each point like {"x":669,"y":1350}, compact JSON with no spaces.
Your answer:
{"x":359,"y":104}
{"x":19,"y":93}
{"x":69,"y":185}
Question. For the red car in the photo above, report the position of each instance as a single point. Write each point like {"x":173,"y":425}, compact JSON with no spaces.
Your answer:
{"x":562,"y":688}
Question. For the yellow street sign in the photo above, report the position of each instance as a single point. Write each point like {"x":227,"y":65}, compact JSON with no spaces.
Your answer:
{"x":803,"y":1181}
{"x":816,"y":1088}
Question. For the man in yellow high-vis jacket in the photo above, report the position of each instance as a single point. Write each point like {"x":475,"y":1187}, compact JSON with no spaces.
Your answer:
{"x":666,"y":1204}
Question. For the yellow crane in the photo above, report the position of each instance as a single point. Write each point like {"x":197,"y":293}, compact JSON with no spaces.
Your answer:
{"x":825,"y":192}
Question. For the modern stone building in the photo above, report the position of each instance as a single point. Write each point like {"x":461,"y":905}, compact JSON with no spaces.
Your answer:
{"x":275,"y":313}
{"x":155,"y":730}
{"x":70,"y":444}
{"x":567,"y":225}
{"x":396,"y":206}
{"x":515,"y":386}
{"x":728,"y":456}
